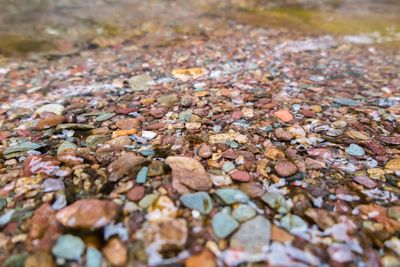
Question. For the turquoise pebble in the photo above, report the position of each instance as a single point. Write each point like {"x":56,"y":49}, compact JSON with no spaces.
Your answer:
{"x":69,"y":247}
{"x":355,"y":150}
{"x":199,"y":201}
{"x":223,"y":224}
{"x":141,"y":177}
{"x":243,"y":213}
{"x":231,"y":196}
{"x":93,"y":257}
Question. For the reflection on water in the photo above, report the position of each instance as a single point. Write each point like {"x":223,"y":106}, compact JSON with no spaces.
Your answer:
{"x":64,"y":25}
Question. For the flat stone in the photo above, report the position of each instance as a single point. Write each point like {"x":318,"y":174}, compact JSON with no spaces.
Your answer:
{"x":220,"y":179}
{"x":205,"y":151}
{"x":156,"y":168}
{"x":355,"y":150}
{"x":252,"y":189}
{"x":126,"y":165}
{"x":168,"y":100}
{"x":66,"y":145}
{"x":223,"y":225}
{"x":147,"y":200}
{"x":188,"y":172}
{"x":141,"y":177}
{"x":69,"y":247}
{"x":293,"y":223}
{"x":393,"y":165}
{"x":136,"y":193}
{"x":54,"y":108}
{"x":243,"y":213}
{"x":199,"y":201}
{"x":87,"y":214}
{"x":228,"y":166}
{"x":39,"y":164}
{"x":203,"y":259}
{"x":141,"y":82}
{"x":241,"y":176}
{"x":129,"y":124}
{"x":284,"y":115}
{"x":276,"y":201}
{"x":253,"y":236}
{"x":149,"y":135}
{"x":39,"y":259}
{"x":285,"y":168}
{"x":346,"y":102}
{"x":231,"y":196}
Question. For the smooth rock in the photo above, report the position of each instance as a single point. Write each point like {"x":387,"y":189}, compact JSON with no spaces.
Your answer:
{"x":69,"y":247}
{"x":54,"y":108}
{"x":87,"y":214}
{"x":116,"y":252}
{"x":126,"y":165}
{"x":93,"y":257}
{"x":355,"y":150}
{"x":141,"y":82}
{"x":223,"y":225}
{"x":284,"y":115}
{"x":168,"y":100}
{"x":228,"y":166}
{"x":231,"y":196}
{"x":199,"y":201}
{"x":253,"y":236}
{"x":293,"y":223}
{"x":188,"y":172}
{"x":136,"y":193}
{"x":203,"y":259}
{"x":141,"y":177}
{"x":243,"y":213}
{"x":285,"y":168}
{"x":129,"y":124}
{"x":276,"y":201}
{"x":241,"y":176}
{"x":205,"y":151}
{"x":393,"y":165}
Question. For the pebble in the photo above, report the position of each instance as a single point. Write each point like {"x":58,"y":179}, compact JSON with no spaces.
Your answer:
{"x":231,"y":196}
{"x":66,"y":145}
{"x":116,"y":252}
{"x":156,"y":168}
{"x":199,"y":201}
{"x":93,"y":257}
{"x":293,"y":223}
{"x":220,"y":180}
{"x":276,"y":201}
{"x":205,"y":151}
{"x":87,"y":214}
{"x":203,"y":259}
{"x":188,"y":172}
{"x":168,"y":100}
{"x":141,"y":177}
{"x":346,"y":102}
{"x":141,"y":82}
{"x":355,"y":150}
{"x":147,"y":200}
{"x":54,"y":108}
{"x":149,"y":135}
{"x":253,"y":236}
{"x":243,"y":212}
{"x":241,"y":176}
{"x":136,"y":193}
{"x":125,"y":165}
{"x":129,"y":124}
{"x":393,"y":165}
{"x":285,"y":168}
{"x":228,"y":166}
{"x":223,"y":225}
{"x":284,"y":115}
{"x":69,"y":247}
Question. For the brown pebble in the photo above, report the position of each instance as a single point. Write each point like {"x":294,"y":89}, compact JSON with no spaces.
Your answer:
{"x":240,"y":176}
{"x":136,"y":193}
{"x":285,"y":168}
{"x":116,"y":252}
{"x":205,"y":151}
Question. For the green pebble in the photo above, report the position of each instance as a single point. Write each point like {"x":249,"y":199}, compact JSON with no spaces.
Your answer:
{"x":147,"y":200}
{"x":228,"y":166}
{"x":199,"y":201}
{"x":231,"y":196}
{"x":142,"y":175}
{"x":355,"y":150}
{"x":243,"y":213}
{"x":93,"y":257}
{"x":276,"y":201}
{"x":223,"y":224}
{"x":65,"y":145}
{"x":69,"y":247}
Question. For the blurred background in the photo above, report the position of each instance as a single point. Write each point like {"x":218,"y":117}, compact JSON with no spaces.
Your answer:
{"x":64,"y":26}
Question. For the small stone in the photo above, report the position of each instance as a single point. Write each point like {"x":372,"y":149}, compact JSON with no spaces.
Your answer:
{"x":394,"y":212}
{"x":147,"y":200}
{"x":228,"y":166}
{"x":283,"y":135}
{"x":141,"y":82}
{"x":69,"y":247}
{"x":205,"y":151}
{"x":193,"y":125}
{"x":243,"y":213}
{"x":39,"y":259}
{"x":284,"y":115}
{"x":129,"y":124}
{"x":252,"y":189}
{"x":38,"y":164}
{"x":223,"y":225}
{"x":365,"y":181}
{"x":87,"y":214}
{"x":280,"y":235}
{"x":220,"y":180}
{"x":188,"y":172}
{"x":93,"y":257}
{"x":116,"y":252}
{"x":276,"y":201}
{"x":231,"y":196}
{"x":253,"y":236}
{"x":346,"y":102}
{"x":393,"y":165}
{"x":141,"y":177}
{"x":168,"y":100}
{"x":105,"y":116}
{"x":293,"y":223}
{"x":54,"y":108}
{"x":125,"y":165}
{"x":66,"y":145}
{"x":156,"y":168}
{"x":136,"y":193}
{"x":355,"y":150}
{"x":204,"y":259}
{"x":241,"y":176}
{"x":199,"y":201}
{"x":149,"y":135}
{"x":285,"y":168}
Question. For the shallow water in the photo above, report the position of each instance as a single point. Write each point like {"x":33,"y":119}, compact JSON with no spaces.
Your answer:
{"x":62,"y":26}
